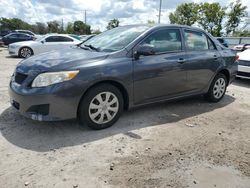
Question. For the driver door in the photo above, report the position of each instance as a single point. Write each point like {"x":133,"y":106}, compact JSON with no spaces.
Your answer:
{"x":161,"y":75}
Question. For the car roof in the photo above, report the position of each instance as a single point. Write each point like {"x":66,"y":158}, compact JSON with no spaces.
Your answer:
{"x":18,"y":33}
{"x":163,"y":25}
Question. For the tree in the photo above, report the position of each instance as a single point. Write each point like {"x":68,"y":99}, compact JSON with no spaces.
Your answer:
{"x":53,"y":27}
{"x":70,"y":28}
{"x":211,"y":17}
{"x":13,"y":23}
{"x":151,"y":22}
{"x":185,"y":14}
{"x":235,"y":15}
{"x":81,"y":28}
{"x":39,"y":28}
{"x":113,"y":23}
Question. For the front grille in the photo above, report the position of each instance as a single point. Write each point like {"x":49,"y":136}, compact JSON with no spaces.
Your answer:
{"x":19,"y":77}
{"x":244,"y":63}
{"x":245,"y":74}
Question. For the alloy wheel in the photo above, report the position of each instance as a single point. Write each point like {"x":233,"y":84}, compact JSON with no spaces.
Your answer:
{"x":25,"y":52}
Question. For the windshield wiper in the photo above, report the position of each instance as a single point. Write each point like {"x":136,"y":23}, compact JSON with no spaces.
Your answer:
{"x":92,"y":47}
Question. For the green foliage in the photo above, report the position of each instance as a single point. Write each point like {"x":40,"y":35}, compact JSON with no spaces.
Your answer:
{"x":113,"y":23}
{"x":70,"y":28}
{"x":151,"y":22}
{"x":81,"y":28}
{"x":237,"y":11}
{"x":210,"y":17}
{"x":13,"y":23}
{"x":185,"y":14}
{"x":53,"y":27}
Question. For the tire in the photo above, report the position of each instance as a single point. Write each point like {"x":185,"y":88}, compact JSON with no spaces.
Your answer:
{"x":217,"y":88}
{"x":25,"y":52}
{"x":100,"y":107}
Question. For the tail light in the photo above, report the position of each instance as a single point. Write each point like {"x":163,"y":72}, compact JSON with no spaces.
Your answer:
{"x":236,"y":57}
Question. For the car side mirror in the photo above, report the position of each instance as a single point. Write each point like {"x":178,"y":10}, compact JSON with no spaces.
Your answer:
{"x":42,"y":41}
{"x":145,"y":50}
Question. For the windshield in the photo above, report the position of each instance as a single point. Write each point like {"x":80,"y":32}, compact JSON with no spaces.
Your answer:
{"x":115,"y":39}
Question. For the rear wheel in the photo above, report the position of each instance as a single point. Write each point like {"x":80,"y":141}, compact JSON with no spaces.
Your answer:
{"x":217,"y":88}
{"x":101,"y":107}
{"x":25,"y":52}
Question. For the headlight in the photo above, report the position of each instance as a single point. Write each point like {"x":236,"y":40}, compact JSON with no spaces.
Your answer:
{"x":49,"y":78}
{"x":13,"y":46}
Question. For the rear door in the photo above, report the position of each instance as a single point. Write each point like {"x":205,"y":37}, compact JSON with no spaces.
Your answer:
{"x":203,"y":59}
{"x":161,"y":75}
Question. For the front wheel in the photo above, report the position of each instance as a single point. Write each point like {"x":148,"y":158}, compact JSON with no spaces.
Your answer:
{"x":217,"y":88}
{"x":101,"y":107}
{"x":25,"y":52}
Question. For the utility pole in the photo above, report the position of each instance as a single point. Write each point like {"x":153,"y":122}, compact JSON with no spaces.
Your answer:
{"x":159,"y":18}
{"x":85,"y":16}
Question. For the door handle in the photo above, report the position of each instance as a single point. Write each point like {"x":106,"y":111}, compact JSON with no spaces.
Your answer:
{"x":181,"y":60}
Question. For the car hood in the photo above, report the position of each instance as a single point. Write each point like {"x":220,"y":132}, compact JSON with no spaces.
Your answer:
{"x":244,"y":55}
{"x":66,"y":59}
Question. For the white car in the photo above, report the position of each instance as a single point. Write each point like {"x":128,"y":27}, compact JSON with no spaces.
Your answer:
{"x":244,"y":64}
{"x":44,"y":44}
{"x":241,"y":47}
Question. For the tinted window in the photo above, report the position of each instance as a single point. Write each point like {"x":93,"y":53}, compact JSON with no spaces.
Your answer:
{"x":13,"y":36}
{"x":165,"y":40}
{"x":64,"y":39}
{"x":52,"y":39}
{"x":23,"y":36}
{"x":58,"y":39}
{"x":196,"y":41}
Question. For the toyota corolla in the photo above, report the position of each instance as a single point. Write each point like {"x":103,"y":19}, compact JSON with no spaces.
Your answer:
{"x":120,"y":69}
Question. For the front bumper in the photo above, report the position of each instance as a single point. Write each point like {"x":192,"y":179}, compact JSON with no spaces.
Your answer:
{"x":13,"y":51}
{"x":243,"y":72}
{"x":52,"y":103}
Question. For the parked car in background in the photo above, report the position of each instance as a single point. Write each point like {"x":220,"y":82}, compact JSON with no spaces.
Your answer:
{"x":16,"y":37}
{"x":84,"y":38}
{"x":75,"y":36}
{"x":4,"y":32}
{"x":41,"y":45}
{"x":241,"y":47}
{"x":120,"y":69}
{"x":223,"y":41}
{"x":23,"y":31}
{"x":244,"y":64}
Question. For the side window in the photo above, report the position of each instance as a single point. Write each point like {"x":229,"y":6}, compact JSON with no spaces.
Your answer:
{"x":23,"y":36}
{"x":52,"y":39}
{"x":165,"y":40}
{"x":64,"y":39}
{"x":13,"y":36}
{"x":195,"y":41}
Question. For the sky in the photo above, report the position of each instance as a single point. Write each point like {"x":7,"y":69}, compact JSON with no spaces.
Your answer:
{"x":99,"y":12}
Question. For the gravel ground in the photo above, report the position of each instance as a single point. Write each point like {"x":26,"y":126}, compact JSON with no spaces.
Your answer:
{"x":188,"y":143}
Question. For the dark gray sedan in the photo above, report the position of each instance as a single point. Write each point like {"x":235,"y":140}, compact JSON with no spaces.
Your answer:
{"x":119,"y":69}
